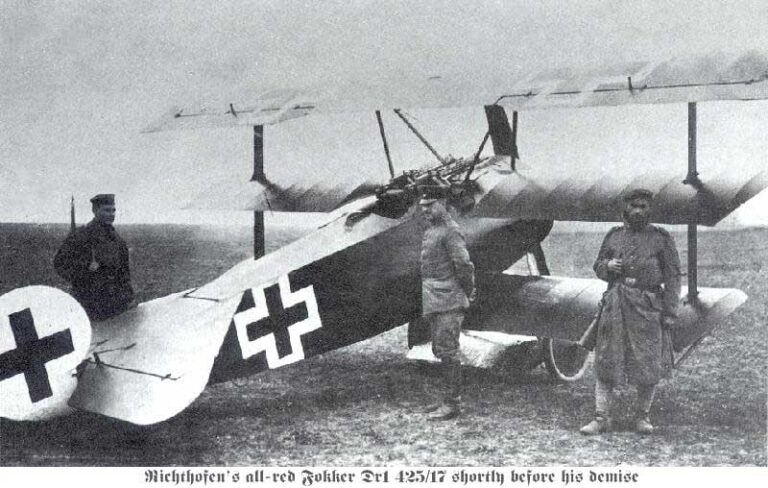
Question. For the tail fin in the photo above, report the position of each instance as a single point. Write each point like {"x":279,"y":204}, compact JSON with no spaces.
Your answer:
{"x":44,"y":336}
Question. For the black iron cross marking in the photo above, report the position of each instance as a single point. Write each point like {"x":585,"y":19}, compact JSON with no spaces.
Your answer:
{"x":278,"y":320}
{"x":32,"y":353}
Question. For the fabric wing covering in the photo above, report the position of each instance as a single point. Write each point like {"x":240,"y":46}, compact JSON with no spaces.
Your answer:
{"x":568,"y":195}
{"x":713,"y":76}
{"x":253,"y":195}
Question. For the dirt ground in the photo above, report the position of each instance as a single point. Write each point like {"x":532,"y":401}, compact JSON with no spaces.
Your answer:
{"x":359,"y":406}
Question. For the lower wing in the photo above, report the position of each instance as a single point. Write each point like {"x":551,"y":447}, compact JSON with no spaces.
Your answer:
{"x":563,"y":308}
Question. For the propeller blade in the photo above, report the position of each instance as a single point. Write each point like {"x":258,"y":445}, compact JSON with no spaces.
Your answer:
{"x":502,"y":137}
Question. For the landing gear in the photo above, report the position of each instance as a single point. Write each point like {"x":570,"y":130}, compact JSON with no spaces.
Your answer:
{"x":565,"y":360}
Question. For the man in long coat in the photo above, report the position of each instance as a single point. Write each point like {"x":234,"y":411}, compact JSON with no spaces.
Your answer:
{"x":641,"y":265}
{"x":94,"y":260}
{"x":448,"y":285}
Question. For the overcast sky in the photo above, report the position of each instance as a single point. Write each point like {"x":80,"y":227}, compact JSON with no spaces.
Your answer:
{"x":79,"y":80}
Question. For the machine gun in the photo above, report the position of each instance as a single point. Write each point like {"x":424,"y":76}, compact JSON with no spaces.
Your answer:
{"x":451,"y":177}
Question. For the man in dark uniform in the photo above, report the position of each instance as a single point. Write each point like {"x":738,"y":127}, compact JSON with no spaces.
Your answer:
{"x":94,"y":260}
{"x":448,"y":286}
{"x":641,"y":265}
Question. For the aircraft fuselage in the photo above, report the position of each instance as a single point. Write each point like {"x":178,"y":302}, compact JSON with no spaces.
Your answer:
{"x":353,"y":294}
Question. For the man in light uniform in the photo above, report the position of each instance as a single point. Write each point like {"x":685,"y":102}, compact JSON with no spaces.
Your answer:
{"x":448,"y":286}
{"x":641,"y":265}
{"x":94,"y":259}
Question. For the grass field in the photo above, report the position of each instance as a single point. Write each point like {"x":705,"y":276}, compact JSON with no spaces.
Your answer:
{"x":359,"y":405}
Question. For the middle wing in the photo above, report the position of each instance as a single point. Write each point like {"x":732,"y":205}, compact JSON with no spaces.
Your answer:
{"x":570,"y":195}
{"x":533,"y":193}
{"x":254,"y":195}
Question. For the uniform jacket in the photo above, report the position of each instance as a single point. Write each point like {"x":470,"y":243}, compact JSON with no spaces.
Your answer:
{"x":631,"y":341}
{"x":106,"y":291}
{"x":447,"y":274}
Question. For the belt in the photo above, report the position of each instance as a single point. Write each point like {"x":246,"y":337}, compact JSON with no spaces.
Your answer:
{"x":633,"y":283}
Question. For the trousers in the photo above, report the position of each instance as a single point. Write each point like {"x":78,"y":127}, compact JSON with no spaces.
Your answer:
{"x":445,"y":328}
{"x":604,"y":399}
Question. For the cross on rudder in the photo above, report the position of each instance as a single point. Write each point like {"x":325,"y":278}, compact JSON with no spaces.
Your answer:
{"x":44,"y":335}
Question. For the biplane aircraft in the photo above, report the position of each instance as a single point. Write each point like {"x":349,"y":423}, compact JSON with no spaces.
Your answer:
{"x":356,"y":274}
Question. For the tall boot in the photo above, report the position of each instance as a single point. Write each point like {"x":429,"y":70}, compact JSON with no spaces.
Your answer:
{"x":603,"y":400}
{"x":645,"y":395}
{"x":453,"y":383}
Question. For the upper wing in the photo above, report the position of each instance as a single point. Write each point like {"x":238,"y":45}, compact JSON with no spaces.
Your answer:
{"x":709,"y":77}
{"x":271,"y":107}
{"x":571,"y":195}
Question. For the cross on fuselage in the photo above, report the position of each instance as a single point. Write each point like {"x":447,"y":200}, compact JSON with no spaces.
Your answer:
{"x":32,"y":353}
{"x":278,"y":320}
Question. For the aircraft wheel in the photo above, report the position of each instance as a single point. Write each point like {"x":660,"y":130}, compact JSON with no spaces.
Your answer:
{"x":565,"y":360}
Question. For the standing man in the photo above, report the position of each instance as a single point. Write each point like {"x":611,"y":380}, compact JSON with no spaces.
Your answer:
{"x":94,"y":260}
{"x":447,"y":287}
{"x":641,"y":265}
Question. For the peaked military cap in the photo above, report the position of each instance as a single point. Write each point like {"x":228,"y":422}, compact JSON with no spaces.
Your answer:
{"x":103,"y":199}
{"x":638,"y":193}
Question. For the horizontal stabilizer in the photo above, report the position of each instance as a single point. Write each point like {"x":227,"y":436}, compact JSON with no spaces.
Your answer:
{"x":151,"y":362}
{"x":714,"y":76}
{"x":583,"y":196}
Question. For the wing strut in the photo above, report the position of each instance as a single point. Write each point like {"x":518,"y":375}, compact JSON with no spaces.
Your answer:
{"x":541,"y":260}
{"x":386,"y":146}
{"x":418,"y":134}
{"x":259,"y":176}
{"x":72,"y":226}
{"x":692,"y":179}
{"x":515,"y":154}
